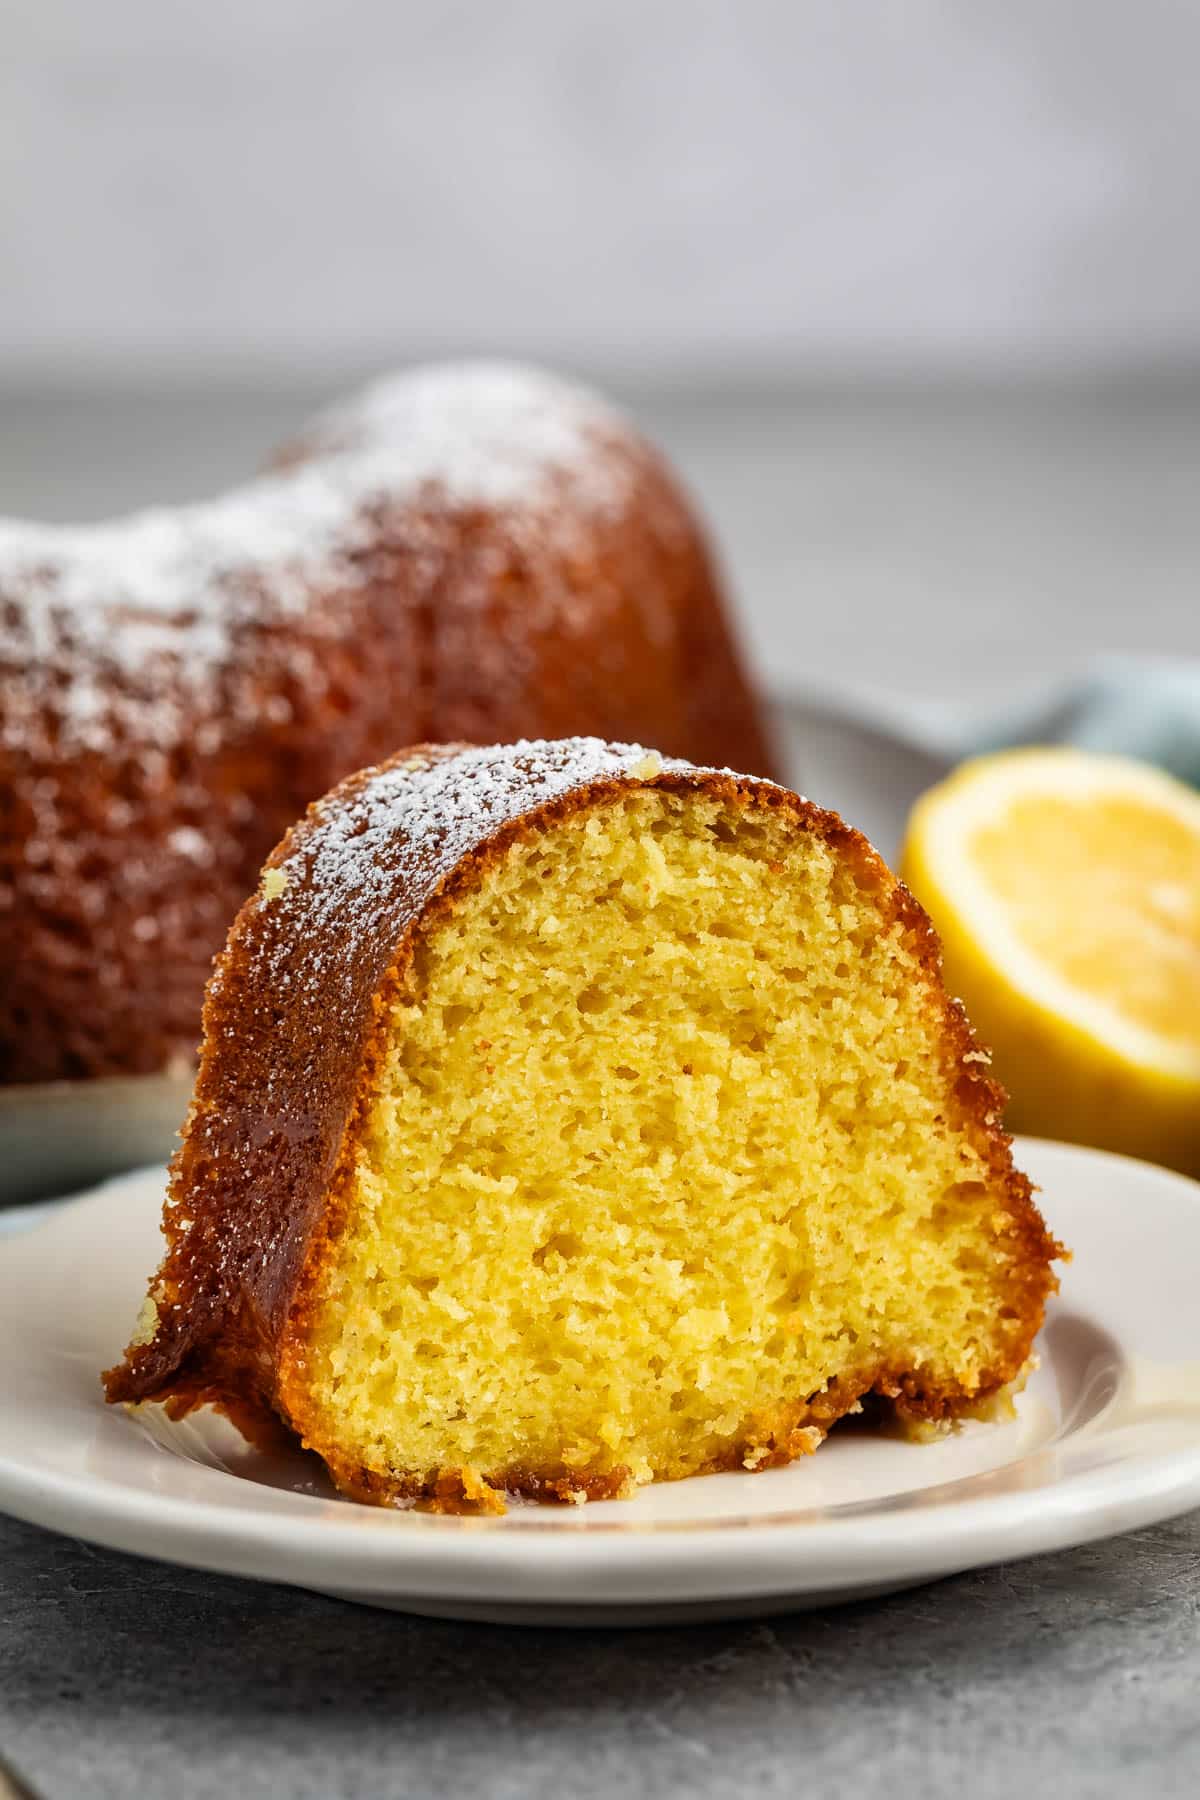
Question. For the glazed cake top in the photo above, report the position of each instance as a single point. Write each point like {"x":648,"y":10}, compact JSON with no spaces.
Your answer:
{"x":116,"y":627}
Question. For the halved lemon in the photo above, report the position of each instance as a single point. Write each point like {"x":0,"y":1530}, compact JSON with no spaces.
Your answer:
{"x":1066,"y":888}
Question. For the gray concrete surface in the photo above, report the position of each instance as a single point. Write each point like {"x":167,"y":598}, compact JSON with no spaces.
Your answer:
{"x":1076,"y":1675}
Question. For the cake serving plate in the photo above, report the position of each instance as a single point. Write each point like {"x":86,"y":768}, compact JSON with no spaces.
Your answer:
{"x":57,"y":1137}
{"x":1106,"y":1438}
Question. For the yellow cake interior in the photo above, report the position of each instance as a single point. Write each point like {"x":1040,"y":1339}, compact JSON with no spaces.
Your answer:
{"x":666,"y":1143}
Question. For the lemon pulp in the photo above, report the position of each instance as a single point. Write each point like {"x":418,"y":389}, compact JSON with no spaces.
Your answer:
{"x":1066,"y":886}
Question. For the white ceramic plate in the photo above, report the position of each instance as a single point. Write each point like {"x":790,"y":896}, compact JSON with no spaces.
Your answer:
{"x":58,"y":1136}
{"x":1107,"y":1438}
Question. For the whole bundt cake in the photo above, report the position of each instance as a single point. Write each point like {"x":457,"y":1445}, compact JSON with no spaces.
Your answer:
{"x":474,"y":551}
{"x":569,"y":1117}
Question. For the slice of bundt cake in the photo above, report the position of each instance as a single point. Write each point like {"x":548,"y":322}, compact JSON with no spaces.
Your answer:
{"x":567,"y":1118}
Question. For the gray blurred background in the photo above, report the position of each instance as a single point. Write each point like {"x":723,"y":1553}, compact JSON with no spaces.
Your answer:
{"x":911,"y":291}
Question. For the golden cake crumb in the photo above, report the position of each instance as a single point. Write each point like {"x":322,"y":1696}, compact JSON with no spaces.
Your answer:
{"x":664,"y":1149}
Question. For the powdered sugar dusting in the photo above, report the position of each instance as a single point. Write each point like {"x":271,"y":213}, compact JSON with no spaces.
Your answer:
{"x":369,"y":855}
{"x":486,"y":433}
{"x":438,"y":805}
{"x":122,"y":629}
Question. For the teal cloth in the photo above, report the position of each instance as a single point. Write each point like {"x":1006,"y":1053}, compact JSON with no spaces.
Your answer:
{"x":1135,"y":706}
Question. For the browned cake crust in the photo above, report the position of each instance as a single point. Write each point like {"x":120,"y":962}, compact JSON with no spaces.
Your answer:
{"x":295,"y":1030}
{"x":471,"y":553}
